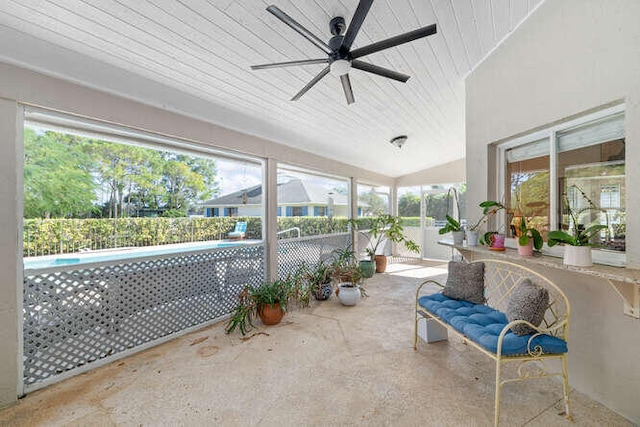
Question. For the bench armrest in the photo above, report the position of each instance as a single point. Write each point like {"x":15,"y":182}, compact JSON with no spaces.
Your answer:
{"x":426,"y":282}
{"x":538,"y":331}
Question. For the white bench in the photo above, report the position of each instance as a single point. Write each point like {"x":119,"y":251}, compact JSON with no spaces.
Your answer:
{"x":486,"y":328}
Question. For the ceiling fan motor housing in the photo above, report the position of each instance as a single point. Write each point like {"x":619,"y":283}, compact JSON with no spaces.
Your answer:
{"x":337,"y":25}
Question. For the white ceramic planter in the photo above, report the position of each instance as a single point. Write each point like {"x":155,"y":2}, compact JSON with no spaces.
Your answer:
{"x":348,"y":295}
{"x":578,"y":256}
{"x":458,"y":237}
{"x":472,"y":237}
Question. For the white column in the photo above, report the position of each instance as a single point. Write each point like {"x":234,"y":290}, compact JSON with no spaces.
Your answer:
{"x":423,"y":223}
{"x":353,"y":210}
{"x":271,"y":218}
{"x":10,"y":247}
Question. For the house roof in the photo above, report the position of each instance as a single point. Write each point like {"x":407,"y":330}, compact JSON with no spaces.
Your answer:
{"x":291,"y":192}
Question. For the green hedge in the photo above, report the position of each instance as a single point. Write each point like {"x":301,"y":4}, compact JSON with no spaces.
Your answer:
{"x":51,"y":236}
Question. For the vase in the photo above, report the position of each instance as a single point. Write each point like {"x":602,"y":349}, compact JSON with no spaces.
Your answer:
{"x":458,"y":237}
{"x":472,"y":237}
{"x":497,"y":241}
{"x":324,"y":291}
{"x":349,"y":293}
{"x":526,"y":250}
{"x":271,"y":314}
{"x":577,"y":256}
{"x":381,"y":263}
{"x":367,"y":268}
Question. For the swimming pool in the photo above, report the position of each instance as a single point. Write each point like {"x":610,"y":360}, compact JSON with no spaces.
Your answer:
{"x":49,"y":261}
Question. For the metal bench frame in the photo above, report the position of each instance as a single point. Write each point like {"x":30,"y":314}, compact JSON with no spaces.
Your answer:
{"x":500,"y":279}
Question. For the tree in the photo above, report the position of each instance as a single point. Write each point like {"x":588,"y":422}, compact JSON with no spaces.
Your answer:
{"x":409,"y":205}
{"x":188,"y":180}
{"x":57,"y":176}
{"x":375,"y":203}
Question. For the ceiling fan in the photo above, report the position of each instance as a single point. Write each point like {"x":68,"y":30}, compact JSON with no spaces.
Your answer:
{"x":340,"y":58}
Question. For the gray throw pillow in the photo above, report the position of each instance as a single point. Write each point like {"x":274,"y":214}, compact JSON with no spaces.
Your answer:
{"x":465,"y":282}
{"x":528,"y":302}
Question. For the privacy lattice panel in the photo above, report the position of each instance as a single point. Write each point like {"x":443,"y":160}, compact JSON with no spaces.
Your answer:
{"x":293,"y":253}
{"x":75,"y":317}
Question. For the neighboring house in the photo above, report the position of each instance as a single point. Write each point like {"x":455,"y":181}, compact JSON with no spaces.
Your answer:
{"x":295,"y":198}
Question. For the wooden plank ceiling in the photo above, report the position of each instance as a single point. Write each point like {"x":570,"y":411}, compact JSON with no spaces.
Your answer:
{"x":205,"y":48}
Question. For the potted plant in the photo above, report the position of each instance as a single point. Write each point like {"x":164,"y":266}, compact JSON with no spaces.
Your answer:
{"x":453,"y":225}
{"x":319,"y":279}
{"x":528,"y":238}
{"x":386,"y":227}
{"x":577,"y":249}
{"x":268,"y":301}
{"x":489,"y":208}
{"x":348,"y":277}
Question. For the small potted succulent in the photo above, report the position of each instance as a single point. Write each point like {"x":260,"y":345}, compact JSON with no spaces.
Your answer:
{"x":577,"y":246}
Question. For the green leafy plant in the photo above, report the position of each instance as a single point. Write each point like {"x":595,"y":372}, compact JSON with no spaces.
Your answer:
{"x":526,"y":234}
{"x":577,"y":234}
{"x":452,"y":224}
{"x":485,"y":239}
{"x":489,"y":208}
{"x":385,"y":227}
{"x":345,"y":269}
{"x":253,"y":298}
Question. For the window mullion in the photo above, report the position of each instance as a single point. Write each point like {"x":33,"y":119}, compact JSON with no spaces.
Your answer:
{"x":553,"y":181}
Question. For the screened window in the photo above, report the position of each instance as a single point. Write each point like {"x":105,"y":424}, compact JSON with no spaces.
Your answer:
{"x":580,"y":166}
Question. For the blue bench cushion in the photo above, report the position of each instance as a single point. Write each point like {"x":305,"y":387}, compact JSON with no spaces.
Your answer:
{"x":483,"y":324}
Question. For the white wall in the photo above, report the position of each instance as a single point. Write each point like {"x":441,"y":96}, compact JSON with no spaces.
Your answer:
{"x":447,"y":173}
{"x":569,"y":57}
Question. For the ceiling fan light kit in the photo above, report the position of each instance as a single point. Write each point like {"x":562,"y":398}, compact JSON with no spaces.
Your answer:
{"x":339,"y":56}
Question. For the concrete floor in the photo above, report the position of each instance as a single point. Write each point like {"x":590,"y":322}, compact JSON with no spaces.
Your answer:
{"x":324,"y":365}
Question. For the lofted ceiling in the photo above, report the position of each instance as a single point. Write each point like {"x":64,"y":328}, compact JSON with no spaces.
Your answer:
{"x":205,"y":48}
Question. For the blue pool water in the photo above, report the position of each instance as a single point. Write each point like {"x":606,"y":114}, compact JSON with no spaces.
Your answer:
{"x":120,"y":254}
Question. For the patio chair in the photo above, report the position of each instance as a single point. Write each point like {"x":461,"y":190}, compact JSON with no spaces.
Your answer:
{"x":239,"y":232}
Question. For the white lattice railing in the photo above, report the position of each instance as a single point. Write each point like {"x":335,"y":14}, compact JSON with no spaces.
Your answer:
{"x":293,"y":253}
{"x":73,"y":317}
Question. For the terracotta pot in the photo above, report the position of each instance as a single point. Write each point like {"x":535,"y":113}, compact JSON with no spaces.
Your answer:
{"x":381,"y":263}
{"x":271,"y":314}
{"x":526,"y":250}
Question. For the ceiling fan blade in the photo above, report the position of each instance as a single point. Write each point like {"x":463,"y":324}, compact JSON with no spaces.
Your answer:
{"x":309,"y":85}
{"x":290,"y":63}
{"x":346,"y":85}
{"x":394,"y":41}
{"x":356,"y":23}
{"x":381,"y":71}
{"x":297,"y":27}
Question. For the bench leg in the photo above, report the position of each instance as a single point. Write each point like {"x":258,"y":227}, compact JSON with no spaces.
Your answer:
{"x":415,"y":330}
{"x":565,"y":386}
{"x":496,"y":415}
